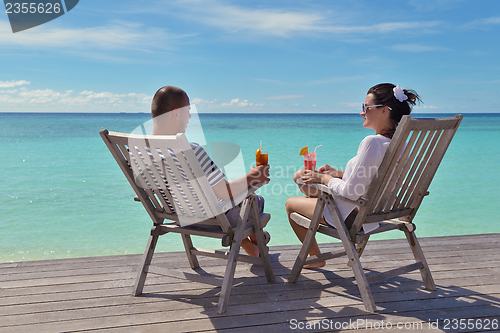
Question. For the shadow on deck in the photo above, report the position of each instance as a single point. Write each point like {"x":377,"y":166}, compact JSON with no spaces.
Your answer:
{"x":94,"y":294}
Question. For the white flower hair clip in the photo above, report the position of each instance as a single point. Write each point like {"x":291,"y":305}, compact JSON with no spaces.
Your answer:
{"x":399,"y":93}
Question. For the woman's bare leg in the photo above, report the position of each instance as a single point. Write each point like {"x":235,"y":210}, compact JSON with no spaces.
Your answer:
{"x":304,"y":206}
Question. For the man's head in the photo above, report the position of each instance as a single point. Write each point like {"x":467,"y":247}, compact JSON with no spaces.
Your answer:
{"x":167,"y":99}
{"x":170,"y":111}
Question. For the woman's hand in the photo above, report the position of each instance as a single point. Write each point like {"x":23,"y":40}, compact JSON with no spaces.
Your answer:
{"x":312,"y":176}
{"x":325,"y":168}
{"x":331,"y":171}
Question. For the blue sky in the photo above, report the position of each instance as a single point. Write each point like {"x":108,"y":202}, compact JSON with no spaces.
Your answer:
{"x":254,"y":56}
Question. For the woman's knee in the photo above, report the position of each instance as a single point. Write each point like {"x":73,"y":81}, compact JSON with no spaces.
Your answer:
{"x":289,"y":204}
{"x":297,"y":175}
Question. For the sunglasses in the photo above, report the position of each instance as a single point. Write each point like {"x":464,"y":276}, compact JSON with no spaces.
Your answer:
{"x":365,"y":107}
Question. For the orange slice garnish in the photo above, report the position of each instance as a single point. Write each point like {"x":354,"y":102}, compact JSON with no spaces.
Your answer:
{"x":304,"y":150}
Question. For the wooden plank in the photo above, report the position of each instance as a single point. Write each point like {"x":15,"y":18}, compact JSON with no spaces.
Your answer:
{"x":466,"y":270}
{"x":466,"y":250}
{"x":167,"y":285}
{"x":247,"y":299}
{"x":288,"y":309}
{"x":469,"y":250}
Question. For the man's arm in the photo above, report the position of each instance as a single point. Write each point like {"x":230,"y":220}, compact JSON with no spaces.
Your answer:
{"x":227,"y":190}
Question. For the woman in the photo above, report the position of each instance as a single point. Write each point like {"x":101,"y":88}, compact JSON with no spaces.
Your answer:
{"x":384,"y":106}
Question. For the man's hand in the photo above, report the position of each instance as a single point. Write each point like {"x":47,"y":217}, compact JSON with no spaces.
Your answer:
{"x":228,"y":190}
{"x":258,"y":175}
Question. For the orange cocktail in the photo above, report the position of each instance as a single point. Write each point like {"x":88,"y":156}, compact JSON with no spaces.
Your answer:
{"x":261,"y":157}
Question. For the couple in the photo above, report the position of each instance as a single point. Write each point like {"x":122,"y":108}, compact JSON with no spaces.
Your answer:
{"x":384,"y":106}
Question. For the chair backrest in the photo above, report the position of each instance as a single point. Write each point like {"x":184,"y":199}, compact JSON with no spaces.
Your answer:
{"x":166,"y":176}
{"x":410,"y":163}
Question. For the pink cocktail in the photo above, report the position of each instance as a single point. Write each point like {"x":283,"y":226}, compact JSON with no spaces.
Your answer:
{"x":310,"y":161}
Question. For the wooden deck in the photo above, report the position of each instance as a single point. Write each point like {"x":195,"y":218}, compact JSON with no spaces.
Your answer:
{"x":94,"y":294}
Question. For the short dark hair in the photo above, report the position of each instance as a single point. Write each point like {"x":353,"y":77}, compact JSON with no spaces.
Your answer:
{"x":384,"y":94}
{"x":166,"y":99}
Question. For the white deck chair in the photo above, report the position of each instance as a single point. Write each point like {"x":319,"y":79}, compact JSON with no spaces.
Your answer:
{"x":167,"y":178}
{"x":393,"y":199}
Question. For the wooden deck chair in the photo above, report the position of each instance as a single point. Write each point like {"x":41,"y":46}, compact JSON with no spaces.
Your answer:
{"x":167,"y":178}
{"x":392,"y":199}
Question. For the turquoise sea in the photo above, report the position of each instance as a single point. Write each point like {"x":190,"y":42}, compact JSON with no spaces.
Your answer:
{"x":63,"y":195}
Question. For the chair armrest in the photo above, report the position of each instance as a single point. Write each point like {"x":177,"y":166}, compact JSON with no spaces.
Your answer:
{"x":323,"y":188}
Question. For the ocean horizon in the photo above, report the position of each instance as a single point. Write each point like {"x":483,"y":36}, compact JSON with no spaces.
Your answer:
{"x":64,"y":196}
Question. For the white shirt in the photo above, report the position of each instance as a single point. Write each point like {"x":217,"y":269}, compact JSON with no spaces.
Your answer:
{"x":358,"y":174}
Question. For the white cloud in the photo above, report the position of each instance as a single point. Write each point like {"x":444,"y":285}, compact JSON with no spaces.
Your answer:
{"x":384,"y":27}
{"x":427,"y":6}
{"x":202,"y":101}
{"x":285,"y":97}
{"x":232,"y":18}
{"x":118,"y":35}
{"x":237,"y":102}
{"x":41,"y":96}
{"x":49,"y":100}
{"x":483,"y":23}
{"x":86,"y":101}
{"x":416,"y":48}
{"x":13,"y":83}
{"x":282,"y":22}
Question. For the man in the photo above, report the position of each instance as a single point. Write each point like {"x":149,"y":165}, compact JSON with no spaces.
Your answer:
{"x":170,"y":111}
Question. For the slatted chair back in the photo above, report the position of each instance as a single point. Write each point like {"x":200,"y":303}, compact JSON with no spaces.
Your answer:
{"x":407,"y":169}
{"x":167,"y":177}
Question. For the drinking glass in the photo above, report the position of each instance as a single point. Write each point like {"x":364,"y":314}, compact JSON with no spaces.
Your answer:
{"x":262,"y":158}
{"x":310,"y":161}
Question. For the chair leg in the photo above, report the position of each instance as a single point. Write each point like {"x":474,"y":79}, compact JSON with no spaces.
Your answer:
{"x":359,"y":274}
{"x":261,"y":241}
{"x":308,"y":240}
{"x":352,"y":255}
{"x":188,"y":245}
{"x":227,"y":282}
{"x":146,"y":261}
{"x":419,"y":257}
{"x":360,"y":248}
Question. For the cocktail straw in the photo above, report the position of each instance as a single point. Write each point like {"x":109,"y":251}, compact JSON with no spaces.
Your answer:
{"x":317,"y":148}
{"x":261,"y":146}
